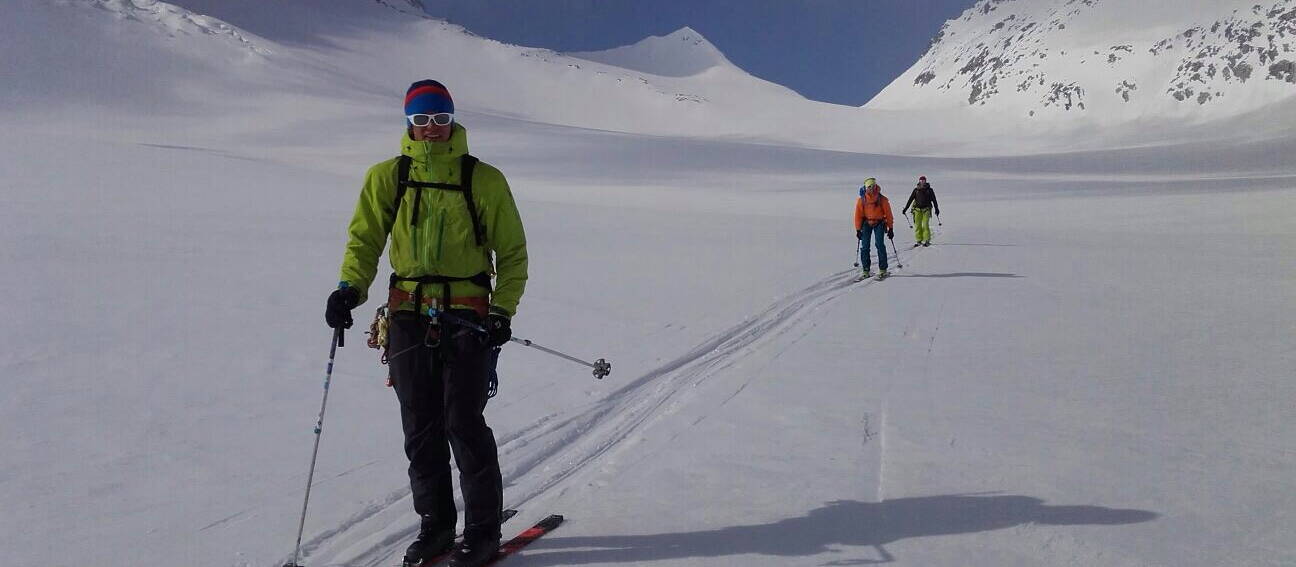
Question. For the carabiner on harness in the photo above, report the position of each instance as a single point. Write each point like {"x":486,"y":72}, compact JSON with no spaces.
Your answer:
{"x":432,"y":338}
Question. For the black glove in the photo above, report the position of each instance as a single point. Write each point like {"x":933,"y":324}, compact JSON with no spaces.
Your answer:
{"x":340,"y":303}
{"x":859,"y":235}
{"x":498,"y":329}
{"x":890,"y":233}
{"x":938,"y":212}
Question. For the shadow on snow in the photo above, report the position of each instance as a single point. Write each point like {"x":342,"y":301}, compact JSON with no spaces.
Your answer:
{"x":960,"y":275}
{"x":838,"y":523}
{"x":969,"y":244}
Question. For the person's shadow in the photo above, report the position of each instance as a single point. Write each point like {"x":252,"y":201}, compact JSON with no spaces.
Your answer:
{"x":839,"y":523}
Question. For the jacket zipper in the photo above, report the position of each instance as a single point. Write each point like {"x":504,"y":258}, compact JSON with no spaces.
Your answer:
{"x":440,"y":234}
{"x":414,"y":255}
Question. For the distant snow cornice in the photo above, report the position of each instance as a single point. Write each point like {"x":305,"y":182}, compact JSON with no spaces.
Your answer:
{"x":404,"y":6}
{"x":174,"y":21}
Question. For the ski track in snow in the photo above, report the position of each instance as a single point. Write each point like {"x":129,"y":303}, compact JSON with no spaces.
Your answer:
{"x":555,"y":448}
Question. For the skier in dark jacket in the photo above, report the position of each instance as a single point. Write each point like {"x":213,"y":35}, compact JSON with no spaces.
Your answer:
{"x":923,"y":200}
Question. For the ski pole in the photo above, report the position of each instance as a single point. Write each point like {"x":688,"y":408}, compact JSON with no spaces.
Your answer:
{"x":319,"y":426}
{"x":601,"y":367}
{"x":897,"y":252}
{"x":859,"y":245}
{"x":938,"y":222}
{"x":906,"y":216}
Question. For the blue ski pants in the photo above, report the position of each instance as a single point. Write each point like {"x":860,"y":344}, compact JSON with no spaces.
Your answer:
{"x":878,"y":234}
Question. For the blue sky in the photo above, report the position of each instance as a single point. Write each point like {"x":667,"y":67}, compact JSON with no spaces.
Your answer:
{"x":840,"y":51}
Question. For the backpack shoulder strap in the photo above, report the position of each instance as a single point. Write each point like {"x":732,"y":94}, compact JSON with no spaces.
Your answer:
{"x":467,"y":166}
{"x":402,"y":180}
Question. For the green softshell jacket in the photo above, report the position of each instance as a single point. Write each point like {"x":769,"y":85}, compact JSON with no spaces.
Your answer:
{"x":442,"y":243}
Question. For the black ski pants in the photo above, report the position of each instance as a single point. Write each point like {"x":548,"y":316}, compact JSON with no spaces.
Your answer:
{"x":442,"y":392}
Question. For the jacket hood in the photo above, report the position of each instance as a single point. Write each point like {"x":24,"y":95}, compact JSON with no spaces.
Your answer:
{"x":423,"y":151}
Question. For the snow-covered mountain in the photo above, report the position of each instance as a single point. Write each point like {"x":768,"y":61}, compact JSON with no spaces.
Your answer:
{"x":1107,"y":60}
{"x":359,"y":50}
{"x":695,"y":68}
{"x":169,"y":64}
{"x":681,"y":53}
{"x":173,"y":62}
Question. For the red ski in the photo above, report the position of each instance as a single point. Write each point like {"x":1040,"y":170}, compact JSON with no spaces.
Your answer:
{"x":526,"y":537}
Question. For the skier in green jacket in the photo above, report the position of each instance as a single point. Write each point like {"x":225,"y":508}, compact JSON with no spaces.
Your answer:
{"x":453,"y":226}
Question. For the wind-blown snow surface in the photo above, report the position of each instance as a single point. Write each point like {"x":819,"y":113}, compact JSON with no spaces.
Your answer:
{"x":1084,"y":369}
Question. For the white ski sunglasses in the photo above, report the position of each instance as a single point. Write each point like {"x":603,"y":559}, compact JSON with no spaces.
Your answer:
{"x":440,"y":119}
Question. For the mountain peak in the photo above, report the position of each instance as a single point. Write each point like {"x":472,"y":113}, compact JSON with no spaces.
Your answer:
{"x":681,"y":53}
{"x":682,"y":32}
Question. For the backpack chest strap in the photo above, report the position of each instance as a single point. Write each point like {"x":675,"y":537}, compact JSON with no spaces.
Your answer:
{"x":467,"y":165}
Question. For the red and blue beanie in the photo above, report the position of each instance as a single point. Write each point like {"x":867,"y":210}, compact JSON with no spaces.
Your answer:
{"x":428,"y":97}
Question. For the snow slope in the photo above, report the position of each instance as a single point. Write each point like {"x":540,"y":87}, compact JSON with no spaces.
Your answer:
{"x":1085,"y":369}
{"x":135,"y":54}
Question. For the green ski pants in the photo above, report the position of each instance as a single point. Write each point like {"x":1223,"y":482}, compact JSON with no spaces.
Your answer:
{"x":922,"y":224}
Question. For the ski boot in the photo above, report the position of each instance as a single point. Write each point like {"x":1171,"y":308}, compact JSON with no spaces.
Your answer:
{"x":433,"y":541}
{"x":928,"y":243}
{"x":864,"y":275}
{"x":882,"y":275}
{"x":474,"y":553}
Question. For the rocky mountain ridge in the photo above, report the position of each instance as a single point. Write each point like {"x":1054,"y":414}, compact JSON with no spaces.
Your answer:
{"x":1078,"y":56}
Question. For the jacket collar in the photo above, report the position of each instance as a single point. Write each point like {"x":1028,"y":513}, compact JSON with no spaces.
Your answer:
{"x":451,"y":149}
